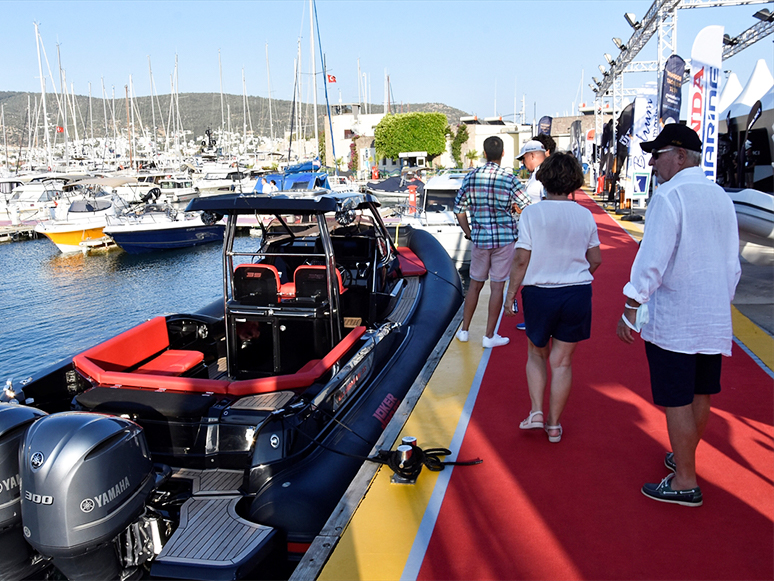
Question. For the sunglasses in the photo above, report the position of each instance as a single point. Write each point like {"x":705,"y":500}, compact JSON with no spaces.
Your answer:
{"x":655,"y":154}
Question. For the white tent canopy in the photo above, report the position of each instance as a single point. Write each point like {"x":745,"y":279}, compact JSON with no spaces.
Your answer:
{"x":760,"y":83}
{"x":730,"y":92}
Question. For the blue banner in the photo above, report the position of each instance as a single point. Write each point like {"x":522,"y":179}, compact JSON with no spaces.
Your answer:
{"x":671,"y":85}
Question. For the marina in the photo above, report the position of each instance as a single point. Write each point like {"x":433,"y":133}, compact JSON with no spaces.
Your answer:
{"x":230,"y":342}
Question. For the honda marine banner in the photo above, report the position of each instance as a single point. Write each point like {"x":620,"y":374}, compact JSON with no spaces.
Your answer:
{"x":706,"y":60}
{"x":671,"y":85}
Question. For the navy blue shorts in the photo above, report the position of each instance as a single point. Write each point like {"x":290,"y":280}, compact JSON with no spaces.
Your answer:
{"x":563,"y":313}
{"x":676,"y":377}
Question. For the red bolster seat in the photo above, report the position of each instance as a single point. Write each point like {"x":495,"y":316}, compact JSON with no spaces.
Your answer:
{"x":410,"y":263}
{"x":305,"y":377}
{"x":172,"y":362}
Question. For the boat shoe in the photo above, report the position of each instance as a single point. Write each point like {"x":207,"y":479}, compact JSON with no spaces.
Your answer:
{"x":664,"y":493}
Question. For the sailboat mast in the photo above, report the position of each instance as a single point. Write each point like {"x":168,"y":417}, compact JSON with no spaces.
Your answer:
{"x":268,"y":77}
{"x":153,"y":109}
{"x":222,"y":119}
{"x":49,"y":155}
{"x":63,"y":90}
{"x":312,"y":14}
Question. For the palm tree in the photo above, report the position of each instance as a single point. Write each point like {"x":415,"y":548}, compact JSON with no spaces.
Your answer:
{"x":471,"y":156}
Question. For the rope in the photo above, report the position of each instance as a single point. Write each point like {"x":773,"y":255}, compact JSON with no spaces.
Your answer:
{"x":419,"y":457}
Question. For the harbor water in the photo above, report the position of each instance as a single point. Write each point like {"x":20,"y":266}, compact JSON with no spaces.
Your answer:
{"x":53,"y":306}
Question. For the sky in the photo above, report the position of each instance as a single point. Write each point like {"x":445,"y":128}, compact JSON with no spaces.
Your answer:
{"x":483,"y":57}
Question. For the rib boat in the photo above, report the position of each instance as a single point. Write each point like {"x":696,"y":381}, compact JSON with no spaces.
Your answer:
{"x":215,"y":444}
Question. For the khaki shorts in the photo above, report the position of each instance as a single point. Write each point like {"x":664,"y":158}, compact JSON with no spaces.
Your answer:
{"x":491,"y":262}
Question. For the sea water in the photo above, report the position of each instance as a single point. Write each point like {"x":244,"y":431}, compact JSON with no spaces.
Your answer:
{"x":53,"y":306}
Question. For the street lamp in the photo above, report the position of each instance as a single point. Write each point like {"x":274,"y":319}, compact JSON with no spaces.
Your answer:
{"x":632,"y":20}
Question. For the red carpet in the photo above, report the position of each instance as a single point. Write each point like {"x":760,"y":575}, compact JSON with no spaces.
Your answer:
{"x":573,"y":510}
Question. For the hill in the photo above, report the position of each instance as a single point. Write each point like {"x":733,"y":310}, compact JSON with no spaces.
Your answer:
{"x":198,"y":111}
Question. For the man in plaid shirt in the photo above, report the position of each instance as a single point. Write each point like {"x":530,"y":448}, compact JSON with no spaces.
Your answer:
{"x":494,"y":198}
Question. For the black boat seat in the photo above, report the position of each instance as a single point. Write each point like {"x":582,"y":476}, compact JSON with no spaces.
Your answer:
{"x":256,"y":284}
{"x":312,"y":281}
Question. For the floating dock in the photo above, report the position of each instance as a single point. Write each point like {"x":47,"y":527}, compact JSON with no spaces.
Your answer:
{"x":572,"y":510}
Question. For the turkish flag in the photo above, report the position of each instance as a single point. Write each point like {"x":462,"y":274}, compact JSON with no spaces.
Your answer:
{"x":331,"y":79}
{"x":59,"y":129}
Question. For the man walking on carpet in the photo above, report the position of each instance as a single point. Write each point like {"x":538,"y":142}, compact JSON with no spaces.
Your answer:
{"x":494,"y":198}
{"x":679,"y":297}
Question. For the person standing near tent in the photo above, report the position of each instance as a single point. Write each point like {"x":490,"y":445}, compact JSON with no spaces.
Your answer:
{"x":679,"y":298}
{"x":492,"y":195}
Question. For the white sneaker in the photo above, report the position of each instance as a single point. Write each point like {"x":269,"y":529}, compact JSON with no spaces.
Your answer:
{"x":462,"y":336}
{"x":495,"y":341}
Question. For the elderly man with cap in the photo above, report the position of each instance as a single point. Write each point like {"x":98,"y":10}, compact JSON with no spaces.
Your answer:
{"x":532,"y":155}
{"x":679,"y":299}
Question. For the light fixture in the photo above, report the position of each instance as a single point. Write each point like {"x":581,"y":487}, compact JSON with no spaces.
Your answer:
{"x":593,"y":88}
{"x":602,"y":70}
{"x":610,"y":60}
{"x":728,"y":41}
{"x":618,"y":43}
{"x":632,"y":20}
{"x":764,"y":15}
{"x":595,"y":79}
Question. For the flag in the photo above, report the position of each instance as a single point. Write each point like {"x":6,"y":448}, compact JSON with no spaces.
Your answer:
{"x":672,"y":83}
{"x":331,"y":79}
{"x":706,"y":59}
{"x":644,"y":128}
{"x":59,"y":129}
{"x":544,"y":125}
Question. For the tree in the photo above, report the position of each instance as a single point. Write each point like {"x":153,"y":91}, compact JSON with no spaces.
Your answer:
{"x":410,"y":132}
{"x":456,"y":146}
{"x":472,"y":156}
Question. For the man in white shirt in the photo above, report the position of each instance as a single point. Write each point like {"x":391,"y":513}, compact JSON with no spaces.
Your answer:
{"x":679,"y":296}
{"x":532,"y":155}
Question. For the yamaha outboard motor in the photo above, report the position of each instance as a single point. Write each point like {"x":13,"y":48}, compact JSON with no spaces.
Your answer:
{"x":16,"y":556}
{"x":85,"y":478}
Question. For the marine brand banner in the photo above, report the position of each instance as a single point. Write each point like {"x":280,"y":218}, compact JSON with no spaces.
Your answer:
{"x":706,"y":60}
{"x":544,"y":125}
{"x":577,"y":147}
{"x":671,"y":85}
{"x":645,"y":127}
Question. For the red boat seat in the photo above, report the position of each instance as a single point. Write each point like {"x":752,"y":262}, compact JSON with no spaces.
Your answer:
{"x":172,"y":362}
{"x":410,"y":263}
{"x":305,"y":376}
{"x":256,"y":284}
{"x":312,"y":281}
{"x":146,"y":345}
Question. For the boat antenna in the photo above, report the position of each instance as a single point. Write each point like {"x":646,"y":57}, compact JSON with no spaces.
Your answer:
{"x":325,"y":84}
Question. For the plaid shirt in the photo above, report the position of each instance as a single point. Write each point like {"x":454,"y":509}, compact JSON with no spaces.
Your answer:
{"x":494,"y":199}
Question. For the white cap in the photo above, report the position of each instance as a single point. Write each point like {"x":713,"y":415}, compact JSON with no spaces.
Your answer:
{"x":530,"y":146}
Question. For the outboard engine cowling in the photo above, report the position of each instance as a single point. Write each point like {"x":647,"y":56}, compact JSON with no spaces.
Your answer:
{"x":16,"y":556}
{"x":85,"y":478}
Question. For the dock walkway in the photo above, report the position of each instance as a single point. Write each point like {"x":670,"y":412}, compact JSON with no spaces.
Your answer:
{"x":573,"y":510}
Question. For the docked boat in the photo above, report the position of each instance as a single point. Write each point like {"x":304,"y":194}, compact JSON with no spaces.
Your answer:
{"x":755,"y":219}
{"x":302,"y":176}
{"x":178,"y":189}
{"x":211,"y":445}
{"x":77,"y":226}
{"x":432,"y":210}
{"x":222,"y":181}
{"x":159,"y":226}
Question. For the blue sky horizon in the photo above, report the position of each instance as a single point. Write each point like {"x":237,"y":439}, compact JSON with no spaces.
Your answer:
{"x":486,"y":58}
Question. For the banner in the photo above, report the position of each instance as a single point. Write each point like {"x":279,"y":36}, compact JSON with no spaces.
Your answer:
{"x":671,"y":85}
{"x":706,"y":60}
{"x":577,"y":146}
{"x":645,"y":127}
{"x":544,"y":125}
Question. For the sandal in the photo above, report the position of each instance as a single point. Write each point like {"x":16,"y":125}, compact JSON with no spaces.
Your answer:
{"x":530,"y":423}
{"x":558,"y":437}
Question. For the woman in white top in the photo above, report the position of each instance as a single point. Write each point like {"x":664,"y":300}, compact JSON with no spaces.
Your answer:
{"x":556,"y":255}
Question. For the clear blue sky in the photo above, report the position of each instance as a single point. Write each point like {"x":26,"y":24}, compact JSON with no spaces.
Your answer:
{"x":473,"y":55}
